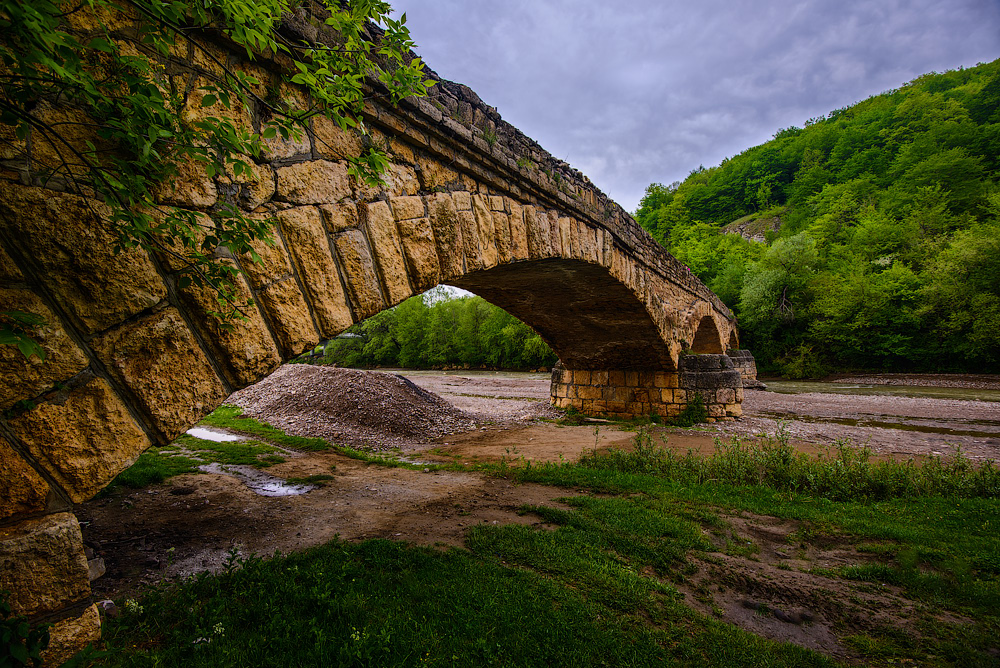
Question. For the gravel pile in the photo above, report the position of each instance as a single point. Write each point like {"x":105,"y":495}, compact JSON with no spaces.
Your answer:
{"x":344,"y":406}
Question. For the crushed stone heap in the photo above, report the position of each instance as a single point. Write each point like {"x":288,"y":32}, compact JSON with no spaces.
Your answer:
{"x":346,"y":406}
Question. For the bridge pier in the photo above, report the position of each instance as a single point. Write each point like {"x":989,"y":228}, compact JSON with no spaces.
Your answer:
{"x":639,"y":393}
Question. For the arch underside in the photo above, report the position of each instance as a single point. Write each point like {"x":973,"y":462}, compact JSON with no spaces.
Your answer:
{"x":589,"y":318}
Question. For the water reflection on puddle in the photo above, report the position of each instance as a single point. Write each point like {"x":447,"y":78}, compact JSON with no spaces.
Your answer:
{"x":212,"y":435}
{"x":259,"y":482}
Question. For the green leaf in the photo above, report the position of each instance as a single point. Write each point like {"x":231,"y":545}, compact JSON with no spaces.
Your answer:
{"x":208,"y":100}
{"x":19,"y":653}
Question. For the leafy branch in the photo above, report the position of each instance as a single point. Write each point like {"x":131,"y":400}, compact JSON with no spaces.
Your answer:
{"x":106,"y":121}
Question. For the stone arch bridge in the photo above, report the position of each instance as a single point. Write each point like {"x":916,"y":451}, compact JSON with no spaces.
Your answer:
{"x":134,"y":359}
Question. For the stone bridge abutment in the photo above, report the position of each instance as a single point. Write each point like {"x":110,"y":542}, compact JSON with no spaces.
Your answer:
{"x":134,"y":356}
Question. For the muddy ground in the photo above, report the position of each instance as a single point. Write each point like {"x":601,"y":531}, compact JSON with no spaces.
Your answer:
{"x":190,"y":523}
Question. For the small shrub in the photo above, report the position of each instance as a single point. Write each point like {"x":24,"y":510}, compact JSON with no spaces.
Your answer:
{"x":20,"y":643}
{"x":694,"y":413}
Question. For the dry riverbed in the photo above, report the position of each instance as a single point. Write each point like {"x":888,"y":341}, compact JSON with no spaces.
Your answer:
{"x":192,"y":522}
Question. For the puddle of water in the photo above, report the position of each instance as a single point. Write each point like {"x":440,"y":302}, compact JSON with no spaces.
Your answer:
{"x":801,"y":386}
{"x":259,"y":482}
{"x":212,"y":435}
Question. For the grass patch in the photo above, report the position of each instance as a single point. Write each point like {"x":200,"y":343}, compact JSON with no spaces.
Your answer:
{"x":598,"y":588}
{"x":380,"y":603}
{"x":153,"y":466}
{"x":932,"y":526}
{"x":186,"y":454}
{"x":232,"y":418}
{"x":847,"y":473}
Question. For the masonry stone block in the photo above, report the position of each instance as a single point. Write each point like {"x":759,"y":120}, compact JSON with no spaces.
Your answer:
{"x":82,"y":438}
{"x":303,"y":230}
{"x":340,"y":217}
{"x":73,"y":252}
{"x":177,"y":386}
{"x":273,"y":262}
{"x":242,"y":347}
{"x":72,"y":634}
{"x":616,"y":378}
{"x":581,"y":377}
{"x":402,"y":180}
{"x":447,"y":230}
{"x":290,"y":316}
{"x":27,"y":377}
{"x":8,"y":269}
{"x":420,"y":252}
{"x":24,"y":490}
{"x":487,"y":231}
{"x":432,"y":174}
{"x":285,"y":148}
{"x":518,"y":232}
{"x":537,"y":233}
{"x":405,"y":208}
{"x":42,"y":564}
{"x":564,"y":232}
{"x":470,"y":241}
{"x":333,"y":143}
{"x":463,"y":200}
{"x":253,"y":187}
{"x":501,"y":224}
{"x":360,"y":273}
{"x":313,"y":182}
{"x":599,"y":377}
{"x":385,"y":242}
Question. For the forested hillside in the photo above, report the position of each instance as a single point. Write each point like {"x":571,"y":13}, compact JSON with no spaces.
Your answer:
{"x":440,"y":331}
{"x":887,"y":248}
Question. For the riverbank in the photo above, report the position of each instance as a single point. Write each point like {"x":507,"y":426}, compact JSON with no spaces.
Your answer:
{"x":765,"y":560}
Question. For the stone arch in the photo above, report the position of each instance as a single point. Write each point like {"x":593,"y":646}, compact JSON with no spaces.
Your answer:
{"x":707,"y":339}
{"x":134,"y":356}
{"x":734,"y":341}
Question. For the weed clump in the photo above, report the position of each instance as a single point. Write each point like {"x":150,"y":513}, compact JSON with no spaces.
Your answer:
{"x":847,"y":473}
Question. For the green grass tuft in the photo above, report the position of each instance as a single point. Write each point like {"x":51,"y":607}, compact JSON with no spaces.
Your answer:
{"x":232,"y":418}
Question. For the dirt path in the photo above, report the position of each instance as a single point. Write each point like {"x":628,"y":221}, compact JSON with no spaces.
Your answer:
{"x":192,"y":522}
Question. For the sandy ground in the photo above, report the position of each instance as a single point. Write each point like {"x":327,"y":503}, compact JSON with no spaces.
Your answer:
{"x":192,"y":522}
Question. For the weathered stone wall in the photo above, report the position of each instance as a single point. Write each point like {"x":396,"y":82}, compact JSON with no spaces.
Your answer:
{"x":745,"y":363}
{"x":134,"y":358}
{"x":631,"y":394}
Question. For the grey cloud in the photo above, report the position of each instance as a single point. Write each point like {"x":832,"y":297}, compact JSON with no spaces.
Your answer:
{"x":648,"y":90}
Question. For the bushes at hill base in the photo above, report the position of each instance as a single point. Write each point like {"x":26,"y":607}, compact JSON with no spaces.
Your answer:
{"x":463,"y":332}
{"x":887,"y":254}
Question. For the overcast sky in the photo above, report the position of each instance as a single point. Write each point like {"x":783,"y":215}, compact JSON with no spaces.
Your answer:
{"x":633,"y":92}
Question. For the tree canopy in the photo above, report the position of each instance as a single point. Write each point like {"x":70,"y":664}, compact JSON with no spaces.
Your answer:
{"x":886,"y":250}
{"x":432,"y":332}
